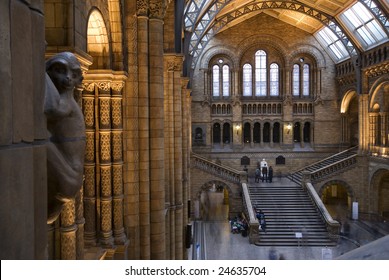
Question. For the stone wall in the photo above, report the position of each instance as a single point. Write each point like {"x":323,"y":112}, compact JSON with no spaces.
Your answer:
{"x":23,"y":191}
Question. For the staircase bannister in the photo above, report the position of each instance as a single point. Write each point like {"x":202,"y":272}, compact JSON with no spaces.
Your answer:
{"x":325,"y":159}
{"x":249,"y":212}
{"x":222,"y":171}
{"x":333,"y":226}
{"x":332,"y":168}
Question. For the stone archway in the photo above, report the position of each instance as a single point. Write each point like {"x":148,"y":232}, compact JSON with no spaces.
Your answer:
{"x":213,"y":201}
{"x":380,"y":195}
{"x":338,"y":197}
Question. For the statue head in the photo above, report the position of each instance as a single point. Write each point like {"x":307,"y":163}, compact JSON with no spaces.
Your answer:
{"x":64,"y":70}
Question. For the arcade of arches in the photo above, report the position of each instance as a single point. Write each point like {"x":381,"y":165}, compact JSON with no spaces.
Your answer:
{"x":165,"y":80}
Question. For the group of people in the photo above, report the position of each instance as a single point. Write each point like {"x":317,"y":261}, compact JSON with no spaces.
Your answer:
{"x":263,"y":172}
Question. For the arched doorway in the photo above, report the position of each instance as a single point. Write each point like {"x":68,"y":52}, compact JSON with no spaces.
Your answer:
{"x":216,"y":133}
{"x":213,"y":199}
{"x":247,"y":133}
{"x":380,"y":199}
{"x":226,"y":133}
{"x":337,"y":196}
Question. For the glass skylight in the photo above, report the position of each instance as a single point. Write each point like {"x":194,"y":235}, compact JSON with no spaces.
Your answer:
{"x":334,"y":45}
{"x":364,"y":25}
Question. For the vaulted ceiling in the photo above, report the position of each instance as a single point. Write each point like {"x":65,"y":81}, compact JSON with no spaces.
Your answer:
{"x":206,"y":18}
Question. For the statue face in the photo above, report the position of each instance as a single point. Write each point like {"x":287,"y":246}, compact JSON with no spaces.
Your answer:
{"x":64,"y":75}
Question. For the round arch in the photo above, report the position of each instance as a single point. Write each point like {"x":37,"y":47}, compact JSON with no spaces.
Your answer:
{"x":213,"y":197}
{"x":341,"y":194}
{"x":379,"y":183}
{"x":98,"y":43}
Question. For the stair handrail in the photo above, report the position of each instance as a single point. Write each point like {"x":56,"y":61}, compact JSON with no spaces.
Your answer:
{"x":222,"y":171}
{"x":318,"y":174}
{"x":333,"y":226}
{"x":327,"y":158}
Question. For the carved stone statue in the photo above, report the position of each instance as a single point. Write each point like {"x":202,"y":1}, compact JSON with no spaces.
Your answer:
{"x":65,"y":123}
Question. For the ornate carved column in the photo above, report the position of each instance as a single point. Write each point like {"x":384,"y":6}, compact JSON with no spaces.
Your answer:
{"x":271,"y":135}
{"x":117,"y":160}
{"x":80,"y":223}
{"x":302,"y":144}
{"x":103,"y":186}
{"x":157,"y":161}
{"x":68,"y":231}
{"x":88,"y":106}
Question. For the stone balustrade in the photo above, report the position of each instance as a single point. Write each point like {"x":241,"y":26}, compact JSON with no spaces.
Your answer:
{"x":333,"y":168}
{"x":223,"y":172}
{"x":333,"y":226}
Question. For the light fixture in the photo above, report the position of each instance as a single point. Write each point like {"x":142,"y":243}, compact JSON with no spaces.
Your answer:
{"x":237,"y":129}
{"x":288,"y":127}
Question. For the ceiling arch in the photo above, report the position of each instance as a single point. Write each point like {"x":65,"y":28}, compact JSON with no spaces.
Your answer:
{"x":205,"y":18}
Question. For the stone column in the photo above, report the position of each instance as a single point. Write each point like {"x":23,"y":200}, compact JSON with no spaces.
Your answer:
{"x":131,"y":152}
{"x":144,"y":129}
{"x":169,"y":68}
{"x":156,"y":105}
{"x":186,"y":138}
{"x":363,"y":123}
{"x":271,"y":135}
{"x":178,"y":159}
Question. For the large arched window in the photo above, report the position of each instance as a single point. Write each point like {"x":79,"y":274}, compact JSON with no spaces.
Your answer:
{"x":274,"y":80}
{"x":221,"y":81}
{"x":226,"y":80}
{"x":247,"y":80}
{"x":301,"y":80}
{"x":306,"y":80}
{"x":296,"y":80}
{"x":215,"y":80}
{"x":260,"y":73}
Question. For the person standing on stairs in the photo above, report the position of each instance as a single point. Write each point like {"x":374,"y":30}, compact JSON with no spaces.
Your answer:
{"x":264,"y":173}
{"x":270,"y":175}
{"x":257,"y":175}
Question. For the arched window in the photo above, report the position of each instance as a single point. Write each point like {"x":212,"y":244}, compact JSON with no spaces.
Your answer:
{"x":215,"y":80}
{"x":260,"y":73}
{"x":226,"y":80}
{"x":276,"y":132}
{"x":296,"y":80}
{"x":306,"y":80}
{"x":247,"y":80}
{"x":274,"y":80}
{"x":226,"y":133}
{"x":216,"y":133}
{"x":266,"y":132}
{"x":301,"y":79}
{"x":247,"y":133}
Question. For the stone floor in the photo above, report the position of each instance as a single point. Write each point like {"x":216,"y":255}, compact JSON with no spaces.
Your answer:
{"x":219,"y":243}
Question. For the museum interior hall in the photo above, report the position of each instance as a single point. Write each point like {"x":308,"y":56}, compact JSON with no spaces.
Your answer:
{"x":139,"y":129}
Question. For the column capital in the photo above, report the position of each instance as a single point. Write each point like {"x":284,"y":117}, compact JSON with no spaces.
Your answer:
{"x":142,"y":7}
{"x":173,"y":62}
{"x":157,"y":9}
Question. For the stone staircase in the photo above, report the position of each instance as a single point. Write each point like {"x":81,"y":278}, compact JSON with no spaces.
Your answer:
{"x":327,"y":166}
{"x":289,"y":212}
